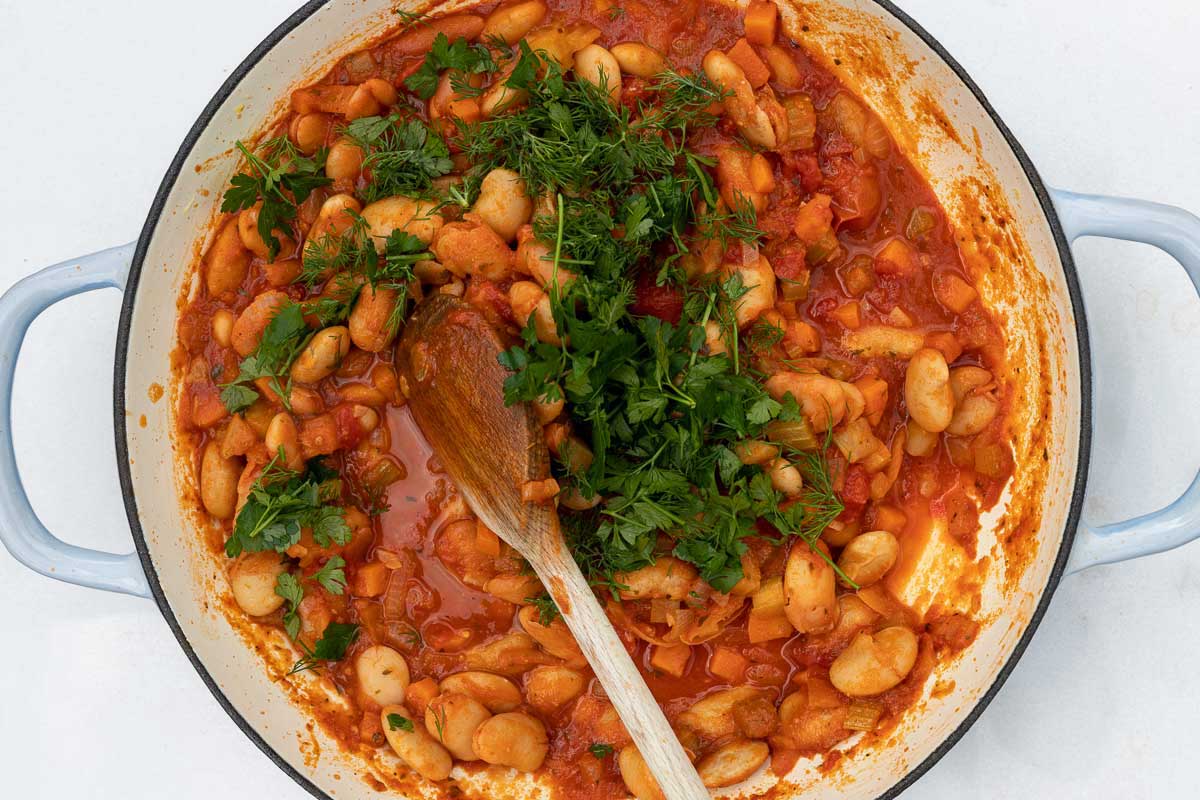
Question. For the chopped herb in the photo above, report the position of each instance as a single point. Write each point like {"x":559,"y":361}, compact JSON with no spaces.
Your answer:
{"x":282,"y":340}
{"x":459,"y":55}
{"x":355,"y":257}
{"x":332,"y":575}
{"x":547,"y":608}
{"x":402,"y":155}
{"x":282,"y":502}
{"x":287,"y":587}
{"x":332,"y":646}
{"x":398,"y":723}
{"x":600,"y":750}
{"x":280,"y":178}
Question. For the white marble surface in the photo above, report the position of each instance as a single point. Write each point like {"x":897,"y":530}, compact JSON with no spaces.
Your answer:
{"x":99,"y":702}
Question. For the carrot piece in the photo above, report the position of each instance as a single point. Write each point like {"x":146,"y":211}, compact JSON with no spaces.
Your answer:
{"x":761,"y":20}
{"x":764,"y":626}
{"x":728,"y":664}
{"x":419,"y":694}
{"x":755,"y":68}
{"x":486,"y":541}
{"x":671,"y":659}
{"x":896,"y":258}
{"x":946,"y":342}
{"x":370,"y":580}
{"x":849,"y":314}
{"x":762,"y":176}
{"x":326,"y":98}
{"x":890,"y":519}
{"x":813,"y":219}
{"x":953,"y":292}
{"x":875,"y":393}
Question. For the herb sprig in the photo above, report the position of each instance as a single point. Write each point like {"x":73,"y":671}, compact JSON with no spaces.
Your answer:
{"x":281,"y":502}
{"x":281,"y":178}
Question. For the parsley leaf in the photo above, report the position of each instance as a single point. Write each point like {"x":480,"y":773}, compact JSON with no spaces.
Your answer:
{"x":332,"y":646}
{"x":287,"y":587}
{"x":599,"y":750}
{"x":281,"y":178}
{"x":332,"y":575}
{"x":459,"y":55}
{"x":402,"y":156}
{"x":282,"y":340}
{"x":398,"y":723}
{"x":282,"y":502}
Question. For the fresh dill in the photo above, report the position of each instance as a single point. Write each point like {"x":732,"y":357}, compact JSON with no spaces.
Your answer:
{"x":403,"y":155}
{"x":332,"y":646}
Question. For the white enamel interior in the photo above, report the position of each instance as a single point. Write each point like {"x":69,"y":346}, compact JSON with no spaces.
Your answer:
{"x":184,"y":570}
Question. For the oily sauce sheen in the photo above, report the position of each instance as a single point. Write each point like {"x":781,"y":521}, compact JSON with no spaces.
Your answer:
{"x":424,"y":579}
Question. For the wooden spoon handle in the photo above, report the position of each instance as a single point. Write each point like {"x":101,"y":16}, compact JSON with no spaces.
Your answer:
{"x":619,"y":676}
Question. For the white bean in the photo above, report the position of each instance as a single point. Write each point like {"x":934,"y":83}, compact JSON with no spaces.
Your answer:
{"x":927,"y":390}
{"x":598,"y":67}
{"x":452,"y":719}
{"x":732,"y":763}
{"x":512,"y":740}
{"x":252,"y":582}
{"x":874,"y":663}
{"x":503,"y":203}
{"x":382,"y":675}
{"x":418,"y":749}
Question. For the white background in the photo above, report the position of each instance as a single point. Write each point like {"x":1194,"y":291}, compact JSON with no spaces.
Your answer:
{"x":99,"y":701}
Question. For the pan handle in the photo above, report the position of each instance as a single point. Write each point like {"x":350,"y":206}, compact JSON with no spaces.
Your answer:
{"x":1176,"y":232}
{"x":20,"y":529}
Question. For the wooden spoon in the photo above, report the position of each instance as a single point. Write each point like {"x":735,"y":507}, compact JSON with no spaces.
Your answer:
{"x":454,"y":384}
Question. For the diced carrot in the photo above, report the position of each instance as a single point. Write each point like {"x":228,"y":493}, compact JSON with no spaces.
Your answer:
{"x":728,"y":664}
{"x":671,"y":659}
{"x":419,"y":694}
{"x":207,"y":408}
{"x":765,"y":626}
{"x":370,"y":728}
{"x":370,"y":580}
{"x":896,"y":258}
{"x":239,"y":437}
{"x":849,"y":314}
{"x":762,"y":176}
{"x":891,"y":519}
{"x":761,"y":20}
{"x":756,"y":70}
{"x":801,"y":339}
{"x":875,"y":393}
{"x":947,"y":343}
{"x":813,"y":219}
{"x":319,"y":435}
{"x":539,"y":491}
{"x":325,"y":98}
{"x":953,"y":292}
{"x":486,"y":541}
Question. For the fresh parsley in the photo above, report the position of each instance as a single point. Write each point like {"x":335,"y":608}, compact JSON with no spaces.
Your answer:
{"x":460,"y":55}
{"x":282,"y":340}
{"x":600,"y":750}
{"x":403,"y":156}
{"x":282,"y":502}
{"x":280,"y":178}
{"x":398,"y":723}
{"x":290,"y":589}
{"x":332,"y":646}
{"x":332,"y":575}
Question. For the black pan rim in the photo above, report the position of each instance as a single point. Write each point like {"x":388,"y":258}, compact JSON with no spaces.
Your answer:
{"x":122,"y":347}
